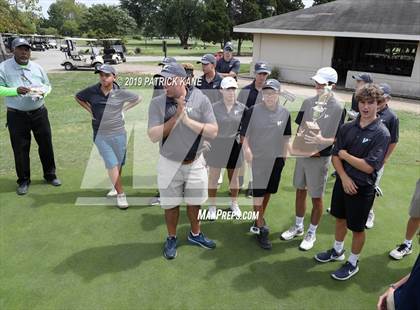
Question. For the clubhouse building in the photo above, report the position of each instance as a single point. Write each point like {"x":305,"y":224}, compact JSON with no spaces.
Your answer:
{"x":377,"y":36}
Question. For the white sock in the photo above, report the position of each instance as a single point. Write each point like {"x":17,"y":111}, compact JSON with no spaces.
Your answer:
{"x":338,"y":246}
{"x":299,"y":221}
{"x":408,"y":242}
{"x":195,"y":235}
{"x":312,"y":228}
{"x":353,"y":258}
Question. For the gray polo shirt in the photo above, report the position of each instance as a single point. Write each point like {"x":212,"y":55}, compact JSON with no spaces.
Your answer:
{"x":228,"y":122}
{"x":32,"y":75}
{"x":267,"y":131}
{"x":182,"y":143}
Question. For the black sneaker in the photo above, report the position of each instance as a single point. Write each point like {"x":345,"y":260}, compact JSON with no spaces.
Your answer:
{"x":169,"y":249}
{"x":330,"y":255}
{"x":262,"y":238}
{"x":201,"y":240}
{"x":345,"y":272}
{"x":22,"y":188}
{"x":254,"y":228}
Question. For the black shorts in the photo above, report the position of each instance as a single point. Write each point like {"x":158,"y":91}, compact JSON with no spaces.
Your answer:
{"x":353,"y":208}
{"x":266,"y":177}
{"x":225,"y":153}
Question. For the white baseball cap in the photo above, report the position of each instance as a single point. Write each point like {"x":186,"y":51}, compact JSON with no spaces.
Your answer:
{"x":228,"y":82}
{"x":325,"y":75}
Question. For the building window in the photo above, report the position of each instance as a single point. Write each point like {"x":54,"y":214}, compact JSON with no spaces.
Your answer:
{"x":375,"y":55}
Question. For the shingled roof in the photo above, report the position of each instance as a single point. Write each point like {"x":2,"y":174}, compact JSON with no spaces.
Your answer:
{"x":393,"y":19}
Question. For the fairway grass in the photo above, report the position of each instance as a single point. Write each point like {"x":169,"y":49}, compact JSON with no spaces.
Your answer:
{"x":58,"y":255}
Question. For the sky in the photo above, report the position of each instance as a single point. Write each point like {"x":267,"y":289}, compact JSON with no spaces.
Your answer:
{"x":46,"y":3}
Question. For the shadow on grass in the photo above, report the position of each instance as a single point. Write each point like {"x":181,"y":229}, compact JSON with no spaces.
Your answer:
{"x":94,"y":262}
{"x":281,"y":278}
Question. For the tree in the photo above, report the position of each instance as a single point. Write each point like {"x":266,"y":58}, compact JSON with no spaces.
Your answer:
{"x":108,"y":21}
{"x":284,"y":6}
{"x":181,"y":18}
{"x":216,"y":25}
{"x":143,"y":11}
{"x":66,"y":16}
{"x":243,"y":11}
{"x":18,"y":18}
{"x":317,"y":2}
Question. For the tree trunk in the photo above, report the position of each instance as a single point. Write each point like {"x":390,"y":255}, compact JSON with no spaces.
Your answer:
{"x":239,"y":46}
{"x":183,"y":38}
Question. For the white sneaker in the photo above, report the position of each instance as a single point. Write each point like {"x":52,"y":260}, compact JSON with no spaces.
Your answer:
{"x":236,"y":212}
{"x":401,"y":251}
{"x":308,"y":241}
{"x":112,"y":193}
{"x":292,"y":232}
{"x":122,"y":201}
{"x":212,"y":213}
{"x":370,"y":220}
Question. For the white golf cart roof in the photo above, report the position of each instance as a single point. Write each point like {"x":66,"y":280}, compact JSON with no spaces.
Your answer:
{"x":80,"y":39}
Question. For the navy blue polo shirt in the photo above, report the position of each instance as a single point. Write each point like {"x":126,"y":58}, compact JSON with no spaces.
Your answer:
{"x":249,"y":95}
{"x":210,"y":89}
{"x":224,"y":66}
{"x":107,"y":109}
{"x":391,"y":121}
{"x":407,"y":296}
{"x":369,"y":143}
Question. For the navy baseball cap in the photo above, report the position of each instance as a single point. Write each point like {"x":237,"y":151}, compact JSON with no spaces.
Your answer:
{"x":273,"y":84}
{"x":262,"y":67}
{"x":167,"y":60}
{"x":107,"y":69}
{"x":386,"y":89}
{"x":20,"y":42}
{"x":173,"y":69}
{"x":228,"y":47}
{"x":365,"y":77}
{"x":207,"y":59}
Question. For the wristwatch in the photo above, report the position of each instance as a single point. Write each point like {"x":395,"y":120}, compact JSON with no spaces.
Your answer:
{"x":393,"y":286}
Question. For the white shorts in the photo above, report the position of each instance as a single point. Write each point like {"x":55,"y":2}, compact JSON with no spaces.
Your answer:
{"x":312,"y":174}
{"x":180,"y":183}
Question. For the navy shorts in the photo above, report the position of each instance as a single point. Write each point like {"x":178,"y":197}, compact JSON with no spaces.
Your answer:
{"x":265,"y":176}
{"x":353,"y":208}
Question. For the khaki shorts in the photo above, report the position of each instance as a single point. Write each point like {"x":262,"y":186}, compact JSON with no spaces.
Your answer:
{"x":311,"y":174}
{"x":180,"y":183}
{"x":415,"y":202}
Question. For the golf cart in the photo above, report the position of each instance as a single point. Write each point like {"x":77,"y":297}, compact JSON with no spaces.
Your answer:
{"x":38,"y":43}
{"x":75,"y":60}
{"x":114,"y":51}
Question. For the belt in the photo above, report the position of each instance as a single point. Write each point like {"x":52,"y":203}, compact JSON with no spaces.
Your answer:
{"x":188,"y":161}
{"x":26,"y":112}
